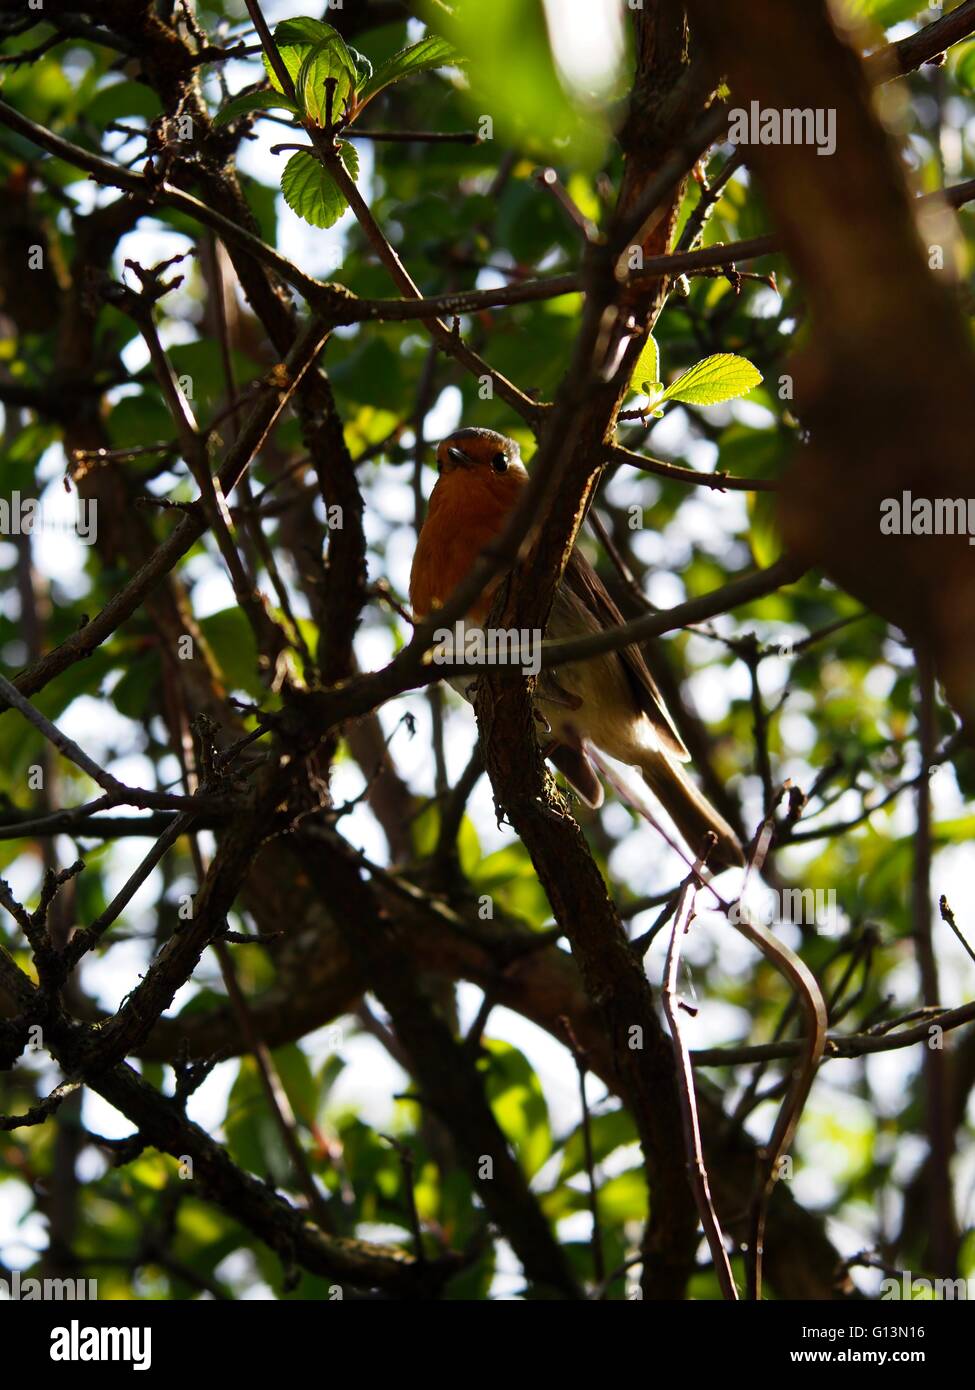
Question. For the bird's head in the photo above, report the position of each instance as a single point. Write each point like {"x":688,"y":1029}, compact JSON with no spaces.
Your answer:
{"x":479,"y":452}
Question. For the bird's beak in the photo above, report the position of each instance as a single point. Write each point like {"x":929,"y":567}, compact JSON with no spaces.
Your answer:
{"x":459,"y":456}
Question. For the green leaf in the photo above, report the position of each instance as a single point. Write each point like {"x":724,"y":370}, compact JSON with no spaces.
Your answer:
{"x":608,"y":1133}
{"x":299,"y":1083}
{"x":518,"y":1102}
{"x":120,"y":102}
{"x":326,"y":64}
{"x":229,"y":637}
{"x":431,"y":52}
{"x":964,"y":65}
{"x":624,"y":1198}
{"x":141,"y":419}
{"x":19,"y":458}
{"x":621,"y":1199}
{"x":350,"y":158}
{"x":311,"y":192}
{"x":295,"y":39}
{"x":508,"y":876}
{"x":138,"y":689}
{"x":763,"y":530}
{"x":253,"y":101}
{"x":302,"y":30}
{"x":292,"y":57}
{"x":646,"y":373}
{"x":723,"y":377}
{"x":253,"y":1137}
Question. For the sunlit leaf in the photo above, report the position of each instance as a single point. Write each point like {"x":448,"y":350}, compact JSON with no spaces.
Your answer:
{"x":722,"y":377}
{"x":326,"y":81}
{"x":646,"y":373}
{"x":311,"y":192}
{"x":431,"y":52}
{"x":296,"y":39}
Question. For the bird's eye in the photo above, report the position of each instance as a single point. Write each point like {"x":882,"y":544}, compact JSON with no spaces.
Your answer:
{"x":499,"y":463}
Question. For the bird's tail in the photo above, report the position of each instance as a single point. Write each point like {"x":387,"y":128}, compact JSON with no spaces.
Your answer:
{"x":691,"y":811}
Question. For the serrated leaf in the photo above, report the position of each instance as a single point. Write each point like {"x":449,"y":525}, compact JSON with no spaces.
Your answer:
{"x":292,"y":56}
{"x":350,"y":158}
{"x":253,"y":101}
{"x":647,"y":369}
{"x":326,"y":67}
{"x":722,"y":377}
{"x":295,"y":39}
{"x":311,"y":192}
{"x":431,"y":52}
{"x":303,"y":31}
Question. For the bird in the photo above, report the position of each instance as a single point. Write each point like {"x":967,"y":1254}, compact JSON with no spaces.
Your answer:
{"x":608,"y":703}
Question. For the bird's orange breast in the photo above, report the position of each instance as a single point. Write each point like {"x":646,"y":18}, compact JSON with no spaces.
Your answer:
{"x":468,"y":509}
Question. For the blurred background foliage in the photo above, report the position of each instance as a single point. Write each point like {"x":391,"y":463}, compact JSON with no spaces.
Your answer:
{"x":833,"y":685}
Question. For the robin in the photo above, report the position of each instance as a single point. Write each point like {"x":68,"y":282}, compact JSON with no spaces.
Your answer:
{"x":610,"y":702}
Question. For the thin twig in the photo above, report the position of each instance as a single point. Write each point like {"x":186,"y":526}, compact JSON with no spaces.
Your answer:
{"x":428,"y":137}
{"x":86,"y":940}
{"x":806,"y":986}
{"x":675,"y":472}
{"x":841,"y":1045}
{"x":696,"y":1170}
{"x":65,"y":746}
{"x":41,"y":1112}
{"x":937,"y":1106}
{"x":407,"y":1165}
{"x":596,"y":1239}
{"x":948,"y":916}
{"x":281,"y":384}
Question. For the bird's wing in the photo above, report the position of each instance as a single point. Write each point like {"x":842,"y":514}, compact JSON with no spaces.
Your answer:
{"x":583,"y":581}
